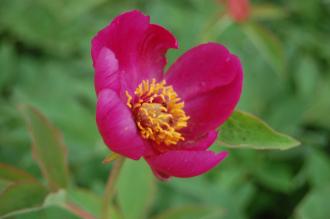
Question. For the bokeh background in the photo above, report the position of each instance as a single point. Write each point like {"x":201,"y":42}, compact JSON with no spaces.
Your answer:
{"x":284,"y":47}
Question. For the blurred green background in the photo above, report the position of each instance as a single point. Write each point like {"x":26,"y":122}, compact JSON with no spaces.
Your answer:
{"x":285,"y":50}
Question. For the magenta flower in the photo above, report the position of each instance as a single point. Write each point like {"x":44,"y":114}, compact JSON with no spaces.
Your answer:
{"x":169,"y":119}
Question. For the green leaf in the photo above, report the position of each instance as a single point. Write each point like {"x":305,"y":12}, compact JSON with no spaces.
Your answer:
{"x":243,"y":130}
{"x":57,"y":198}
{"x":53,"y":212}
{"x":86,"y":200}
{"x":10,"y":174}
{"x":230,"y":191}
{"x":111,"y":157}
{"x":315,"y":205}
{"x":317,"y":168}
{"x":188,"y":212}
{"x":48,"y":148}
{"x":276,"y":177}
{"x":318,"y":111}
{"x":267,"y":11}
{"x":136,"y":189}
{"x":21,"y":197}
{"x":306,"y":76}
{"x":286,"y":114}
{"x":90,"y":202}
{"x":268,"y":45}
{"x":7,"y":63}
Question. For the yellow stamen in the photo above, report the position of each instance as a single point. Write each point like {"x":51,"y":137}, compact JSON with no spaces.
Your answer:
{"x":129,"y":99}
{"x":158,"y":112}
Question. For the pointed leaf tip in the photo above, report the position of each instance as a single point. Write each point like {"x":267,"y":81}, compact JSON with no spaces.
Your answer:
{"x":244,"y":130}
{"x":47,"y":146}
{"x":111,"y":157}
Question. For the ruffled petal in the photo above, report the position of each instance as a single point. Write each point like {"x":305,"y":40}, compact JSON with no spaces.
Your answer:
{"x":152,"y":49}
{"x":210,"y":110}
{"x":209,"y":80}
{"x":185,"y":163}
{"x":117,"y":126}
{"x":200,"y":144}
{"x":121,"y":36}
{"x":201,"y":69}
{"x":106,"y":71}
{"x":138,"y":46}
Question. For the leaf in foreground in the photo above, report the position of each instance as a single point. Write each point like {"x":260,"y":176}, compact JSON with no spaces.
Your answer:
{"x":48,"y":148}
{"x":243,"y":130}
{"x":136,"y":188}
{"x":188,"y":212}
{"x":10,"y":174}
{"x":21,"y":197}
{"x":315,"y":205}
{"x":268,"y":44}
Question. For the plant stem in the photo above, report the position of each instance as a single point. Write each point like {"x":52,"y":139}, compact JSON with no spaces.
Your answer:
{"x":109,"y":189}
{"x":76,"y":210}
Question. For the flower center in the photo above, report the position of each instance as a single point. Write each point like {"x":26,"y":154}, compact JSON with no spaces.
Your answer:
{"x":158,"y":112}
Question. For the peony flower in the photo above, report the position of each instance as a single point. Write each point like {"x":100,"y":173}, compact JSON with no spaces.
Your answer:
{"x":239,"y":10}
{"x":168,"y":119}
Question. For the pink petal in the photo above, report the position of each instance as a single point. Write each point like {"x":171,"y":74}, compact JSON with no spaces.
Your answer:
{"x":201,"y":143}
{"x":205,"y":117}
{"x":201,"y":69}
{"x":138,"y":46}
{"x":185,"y":163}
{"x":152,"y":49}
{"x":239,"y":10}
{"x":159,"y":175}
{"x":117,"y":126}
{"x":209,"y":80}
{"x":106,"y":71}
{"x":121,"y":34}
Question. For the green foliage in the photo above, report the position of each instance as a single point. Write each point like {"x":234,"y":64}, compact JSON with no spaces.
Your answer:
{"x":243,"y":130}
{"x":188,"y":212}
{"x":136,"y":189}
{"x":6,"y":63}
{"x":48,"y":148}
{"x":268,"y":45}
{"x":22,"y":196}
{"x":318,"y":169}
{"x":91,"y":202}
{"x":86,"y":199}
{"x":12,"y":174}
{"x":314,"y":205}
